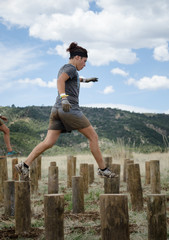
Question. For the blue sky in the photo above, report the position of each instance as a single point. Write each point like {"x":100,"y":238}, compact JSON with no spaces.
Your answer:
{"x":127,"y":42}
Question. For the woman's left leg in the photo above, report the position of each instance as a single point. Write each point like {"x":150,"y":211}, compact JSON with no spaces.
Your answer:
{"x":23,"y":167}
{"x":51,"y":138}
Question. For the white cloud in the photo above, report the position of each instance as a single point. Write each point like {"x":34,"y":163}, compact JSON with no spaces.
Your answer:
{"x":5,"y":85}
{"x":86,"y":85}
{"x":108,"y":89}
{"x":122,"y":107}
{"x":25,"y":13}
{"x":161,"y":53}
{"x":59,"y":50}
{"x":110,"y":35}
{"x":125,"y":56}
{"x":16,"y":61}
{"x":39,"y":82}
{"x":153,"y":83}
{"x":119,"y":71}
{"x":102,"y":56}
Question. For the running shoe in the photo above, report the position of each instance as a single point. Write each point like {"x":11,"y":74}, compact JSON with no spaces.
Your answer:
{"x":106,"y":173}
{"x":23,"y":171}
{"x":12,"y":153}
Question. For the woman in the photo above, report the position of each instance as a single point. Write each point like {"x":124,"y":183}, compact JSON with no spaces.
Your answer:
{"x":66,"y":114}
{"x":6,"y":133}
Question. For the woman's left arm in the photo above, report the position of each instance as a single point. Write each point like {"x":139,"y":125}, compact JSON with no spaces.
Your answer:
{"x":86,"y":80}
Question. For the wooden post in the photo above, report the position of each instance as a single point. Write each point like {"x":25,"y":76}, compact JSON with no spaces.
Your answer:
{"x":91,"y":173}
{"x":22,"y":207}
{"x":108,"y":161}
{"x":147,"y":172}
{"x":5,"y":169}
{"x":155,"y":177}
{"x":3,"y":176}
{"x":74,"y":164}
{"x":15,"y":175}
{"x":124,"y":169}
{"x":54,"y":216}
{"x":71,"y":170}
{"x":116,"y":168}
{"x":34,"y":177}
{"x":114,"y":217}
{"x":135,"y":188}
{"x":111,"y":185}
{"x":53,"y":183}
{"x":157,"y":220}
{"x":127,"y":163}
{"x":78,"y":194}
{"x":84,"y":172}
{"x":39,"y":167}
{"x":9,"y":198}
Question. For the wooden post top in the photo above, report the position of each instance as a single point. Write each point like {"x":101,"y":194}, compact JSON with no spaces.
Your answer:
{"x":156,"y":195}
{"x":115,"y":195}
{"x":76,"y":176}
{"x":54,"y":195}
{"x":9,"y":181}
{"x":52,"y":163}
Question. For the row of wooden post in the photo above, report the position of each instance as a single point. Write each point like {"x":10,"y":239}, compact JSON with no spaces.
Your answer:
{"x":87,"y":171}
{"x":152,"y":173}
{"x":113,"y":211}
{"x":79,"y":186}
{"x":113,"y":207}
{"x":131,"y":175}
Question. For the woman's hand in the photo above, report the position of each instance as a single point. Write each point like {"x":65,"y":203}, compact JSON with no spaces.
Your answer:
{"x":66,"y":105}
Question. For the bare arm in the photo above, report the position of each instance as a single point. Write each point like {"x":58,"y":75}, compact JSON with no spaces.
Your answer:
{"x":61,"y":88}
{"x":61,"y":82}
{"x":87,"y":80}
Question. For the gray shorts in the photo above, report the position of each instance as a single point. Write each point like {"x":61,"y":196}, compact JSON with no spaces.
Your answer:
{"x":1,"y":123}
{"x":67,"y":121}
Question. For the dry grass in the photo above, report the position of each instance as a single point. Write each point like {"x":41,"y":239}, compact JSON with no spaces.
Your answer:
{"x":87,"y":225}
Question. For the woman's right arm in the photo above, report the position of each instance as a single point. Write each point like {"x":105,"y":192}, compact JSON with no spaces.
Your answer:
{"x":61,"y":89}
{"x":61,"y":82}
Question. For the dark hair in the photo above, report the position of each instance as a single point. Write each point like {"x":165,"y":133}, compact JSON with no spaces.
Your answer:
{"x":75,"y":50}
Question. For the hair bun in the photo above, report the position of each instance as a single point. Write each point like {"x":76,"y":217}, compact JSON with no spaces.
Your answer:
{"x":72,"y":47}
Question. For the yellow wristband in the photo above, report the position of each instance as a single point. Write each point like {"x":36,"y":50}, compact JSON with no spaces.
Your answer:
{"x":62,"y":95}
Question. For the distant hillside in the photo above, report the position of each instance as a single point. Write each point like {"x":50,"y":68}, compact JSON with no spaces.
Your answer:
{"x":146,"y":132}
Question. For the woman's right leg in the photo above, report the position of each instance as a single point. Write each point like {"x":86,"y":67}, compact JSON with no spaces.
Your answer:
{"x":51,"y":138}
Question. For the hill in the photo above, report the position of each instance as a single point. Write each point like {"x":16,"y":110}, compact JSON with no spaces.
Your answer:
{"x":144,"y":132}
